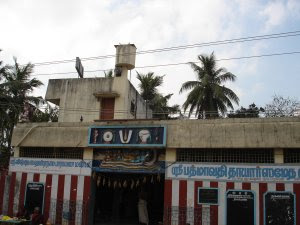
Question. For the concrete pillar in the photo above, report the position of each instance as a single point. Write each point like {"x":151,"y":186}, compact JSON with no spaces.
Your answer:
{"x":88,"y":154}
{"x":121,"y":86}
{"x":278,"y":155}
{"x":170,"y":154}
{"x":16,"y":152}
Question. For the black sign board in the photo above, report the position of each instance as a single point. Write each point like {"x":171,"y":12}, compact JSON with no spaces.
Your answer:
{"x":279,"y":208}
{"x":131,"y":136}
{"x":208,"y":196}
{"x":34,"y":196}
{"x":240,"y":208}
{"x":79,"y":67}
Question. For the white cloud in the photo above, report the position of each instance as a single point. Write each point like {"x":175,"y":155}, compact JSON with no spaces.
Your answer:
{"x":246,"y":6}
{"x":294,"y":7}
{"x":49,"y":30}
{"x":275,"y":14}
{"x":279,"y":11}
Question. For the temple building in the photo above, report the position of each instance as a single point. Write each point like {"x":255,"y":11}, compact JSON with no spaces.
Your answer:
{"x":106,"y":152}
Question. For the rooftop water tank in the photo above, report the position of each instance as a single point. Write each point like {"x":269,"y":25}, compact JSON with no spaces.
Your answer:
{"x":125,"y":56}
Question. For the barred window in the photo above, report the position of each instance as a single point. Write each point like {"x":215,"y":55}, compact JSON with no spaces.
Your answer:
{"x":57,"y":153}
{"x":291,"y":155}
{"x":226,"y":155}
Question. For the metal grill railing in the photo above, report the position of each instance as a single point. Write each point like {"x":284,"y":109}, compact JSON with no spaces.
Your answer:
{"x":57,"y":153}
{"x":200,"y":215}
{"x":291,"y":155}
{"x":69,"y":212}
{"x":226,"y":155}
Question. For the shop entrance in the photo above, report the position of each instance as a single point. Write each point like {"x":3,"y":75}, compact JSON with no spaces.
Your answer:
{"x":117,"y":196}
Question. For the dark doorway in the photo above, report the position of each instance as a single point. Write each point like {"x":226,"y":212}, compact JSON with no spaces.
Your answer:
{"x":117,"y":196}
{"x":107,"y":109}
{"x":240,"y":208}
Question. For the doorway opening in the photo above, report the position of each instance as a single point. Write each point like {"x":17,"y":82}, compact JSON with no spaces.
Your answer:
{"x":117,"y":196}
{"x":107,"y":108}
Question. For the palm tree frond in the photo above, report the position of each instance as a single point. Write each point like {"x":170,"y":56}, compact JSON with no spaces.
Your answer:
{"x":231,"y":95}
{"x":189,"y":85}
{"x":226,"y":76}
{"x":207,"y":96}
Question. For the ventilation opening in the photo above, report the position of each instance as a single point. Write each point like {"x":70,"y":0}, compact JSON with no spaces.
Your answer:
{"x":226,"y":155}
{"x":56,"y":153}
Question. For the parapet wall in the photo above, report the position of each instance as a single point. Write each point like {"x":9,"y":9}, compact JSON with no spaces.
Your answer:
{"x":220,"y":133}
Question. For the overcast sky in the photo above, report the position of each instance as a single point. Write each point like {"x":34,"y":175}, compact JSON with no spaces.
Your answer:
{"x":47,"y":30}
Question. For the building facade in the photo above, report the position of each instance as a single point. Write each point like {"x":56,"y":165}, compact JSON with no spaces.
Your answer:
{"x":215,"y":172}
{"x":209,"y":166}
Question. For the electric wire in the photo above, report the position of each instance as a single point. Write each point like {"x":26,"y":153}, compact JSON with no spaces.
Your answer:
{"x":180,"y":63}
{"x":181,"y":47}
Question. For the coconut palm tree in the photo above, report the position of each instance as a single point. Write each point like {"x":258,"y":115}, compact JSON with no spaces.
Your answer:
{"x":4,"y":153}
{"x":155,"y":100}
{"x":161,"y":108}
{"x":15,"y":89}
{"x":149,"y":84}
{"x":208,"y":95}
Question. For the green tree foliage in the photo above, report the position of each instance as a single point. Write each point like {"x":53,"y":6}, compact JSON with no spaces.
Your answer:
{"x":4,"y":152}
{"x":49,"y":115}
{"x":282,"y":107}
{"x":208,"y":95}
{"x":149,"y":84}
{"x":158,"y":103}
{"x":160,"y":107}
{"x":15,"y":89}
{"x":109,"y":74}
{"x":251,"y":112}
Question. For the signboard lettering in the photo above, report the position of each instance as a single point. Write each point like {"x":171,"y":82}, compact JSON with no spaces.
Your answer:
{"x":245,"y":173}
{"x":51,"y":166}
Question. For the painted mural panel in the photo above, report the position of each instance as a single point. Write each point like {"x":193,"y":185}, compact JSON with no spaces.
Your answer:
{"x":129,"y":160}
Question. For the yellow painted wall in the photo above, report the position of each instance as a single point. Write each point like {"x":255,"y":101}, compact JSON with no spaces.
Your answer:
{"x":16,"y":152}
{"x":278,"y":155}
{"x":88,"y":154}
{"x":171,"y":154}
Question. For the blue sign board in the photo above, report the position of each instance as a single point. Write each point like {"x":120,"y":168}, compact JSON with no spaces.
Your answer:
{"x":231,"y":172}
{"x":131,"y":136}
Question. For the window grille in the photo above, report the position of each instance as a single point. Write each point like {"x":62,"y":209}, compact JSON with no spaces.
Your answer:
{"x":291,"y":155}
{"x":226,"y":155}
{"x":57,"y":153}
